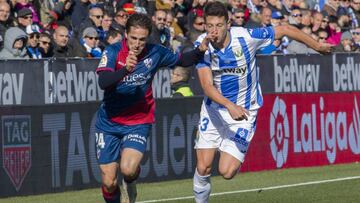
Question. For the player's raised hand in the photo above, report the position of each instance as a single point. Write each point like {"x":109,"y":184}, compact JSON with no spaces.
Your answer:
{"x":238,"y":113}
{"x":205,"y":43}
{"x":131,"y":61}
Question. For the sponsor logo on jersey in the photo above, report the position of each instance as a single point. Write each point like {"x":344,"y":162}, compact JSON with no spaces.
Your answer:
{"x":16,"y":145}
{"x":240,"y":71}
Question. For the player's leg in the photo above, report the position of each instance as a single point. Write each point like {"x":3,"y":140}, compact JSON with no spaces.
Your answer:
{"x":201,"y":181}
{"x":133,"y":148}
{"x":108,"y":152}
{"x":237,"y":137}
{"x":110,"y":188}
{"x":130,"y":168}
{"x":228,"y":165}
{"x":206,"y":144}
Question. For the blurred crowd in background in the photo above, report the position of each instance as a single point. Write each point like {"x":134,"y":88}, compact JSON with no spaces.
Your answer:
{"x":83,"y":28}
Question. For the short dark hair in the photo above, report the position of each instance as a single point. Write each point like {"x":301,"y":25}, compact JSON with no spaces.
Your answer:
{"x":216,"y":9}
{"x":113,"y":33}
{"x":139,"y":20}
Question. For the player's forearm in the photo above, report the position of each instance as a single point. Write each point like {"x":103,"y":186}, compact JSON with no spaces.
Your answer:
{"x":190,"y":58}
{"x":296,"y":34}
{"x":108,"y":78}
{"x":216,"y":96}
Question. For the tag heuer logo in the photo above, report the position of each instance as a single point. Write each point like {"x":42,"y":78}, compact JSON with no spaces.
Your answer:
{"x":16,"y":141}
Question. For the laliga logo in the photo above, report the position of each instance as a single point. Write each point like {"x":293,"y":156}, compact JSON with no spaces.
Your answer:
{"x":279,"y":132}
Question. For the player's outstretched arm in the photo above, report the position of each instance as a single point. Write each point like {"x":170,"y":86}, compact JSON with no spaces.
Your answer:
{"x":300,"y":36}
{"x":192,"y":57}
{"x":206,"y":81}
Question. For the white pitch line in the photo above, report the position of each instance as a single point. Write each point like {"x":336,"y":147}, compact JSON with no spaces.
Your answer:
{"x":257,"y":189}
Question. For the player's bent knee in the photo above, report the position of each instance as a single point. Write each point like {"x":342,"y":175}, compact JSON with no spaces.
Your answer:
{"x":203,"y":169}
{"x":110,"y":183}
{"x":227,"y":174}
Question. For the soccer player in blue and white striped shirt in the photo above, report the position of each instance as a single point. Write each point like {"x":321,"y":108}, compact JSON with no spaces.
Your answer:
{"x":229,"y":78}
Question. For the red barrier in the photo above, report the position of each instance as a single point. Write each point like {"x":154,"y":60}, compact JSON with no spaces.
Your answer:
{"x":297,"y":130}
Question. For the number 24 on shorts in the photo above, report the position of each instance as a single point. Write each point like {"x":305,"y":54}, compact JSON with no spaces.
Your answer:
{"x":204,"y":124}
{"x":99,"y":137}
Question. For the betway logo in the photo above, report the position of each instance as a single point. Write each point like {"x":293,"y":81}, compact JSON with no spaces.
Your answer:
{"x":11,"y":88}
{"x":296,"y":78}
{"x":71,"y":86}
{"x":346,"y":76}
{"x":312,"y":129}
{"x":232,"y":71}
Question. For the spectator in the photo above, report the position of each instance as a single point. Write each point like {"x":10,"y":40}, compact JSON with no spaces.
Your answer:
{"x":306,"y":18}
{"x":346,"y":44}
{"x":356,"y":37}
{"x":322,"y":35}
{"x":24,"y":18}
{"x":87,"y":46}
{"x":260,"y":20}
{"x":61,"y":40}
{"x":120,"y":19}
{"x":196,"y":29}
{"x":274,"y":5}
{"x":107,"y":21}
{"x":331,"y":7}
{"x":334,"y":31}
{"x":94,"y":20}
{"x":80,"y":11}
{"x":160,"y":34}
{"x":4,"y":21}
{"x":45,"y":45}
{"x":296,"y":16}
{"x":287,"y":7}
{"x":296,"y":47}
{"x":113,"y":36}
{"x":265,"y":17}
{"x":180,"y":82}
{"x":22,"y":4}
{"x":238,"y":17}
{"x":355,"y":13}
{"x":325,"y":22}
{"x":33,"y":32}
{"x":14,"y":44}
{"x":316,"y":21}
{"x":172,"y":22}
{"x":56,"y":13}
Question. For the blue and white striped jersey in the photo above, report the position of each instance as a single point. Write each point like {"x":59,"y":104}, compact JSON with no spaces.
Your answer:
{"x":234,"y":69}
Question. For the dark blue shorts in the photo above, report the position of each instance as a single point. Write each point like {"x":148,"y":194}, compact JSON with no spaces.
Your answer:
{"x":110,"y":144}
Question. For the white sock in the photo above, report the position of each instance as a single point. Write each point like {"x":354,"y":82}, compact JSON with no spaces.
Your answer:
{"x":202,"y":187}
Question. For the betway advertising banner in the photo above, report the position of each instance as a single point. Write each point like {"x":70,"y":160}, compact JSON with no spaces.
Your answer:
{"x":297,"y":130}
{"x":67,"y":81}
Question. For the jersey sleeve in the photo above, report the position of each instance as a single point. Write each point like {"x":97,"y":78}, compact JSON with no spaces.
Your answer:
{"x":108,"y":60}
{"x":168,"y":58}
{"x":263,"y":36}
{"x":205,"y":61}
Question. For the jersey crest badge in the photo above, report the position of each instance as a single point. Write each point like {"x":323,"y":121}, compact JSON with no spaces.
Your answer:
{"x":238,"y":53}
{"x":148,"y":63}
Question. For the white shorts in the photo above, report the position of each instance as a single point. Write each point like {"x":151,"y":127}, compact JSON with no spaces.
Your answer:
{"x":218,"y":130}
